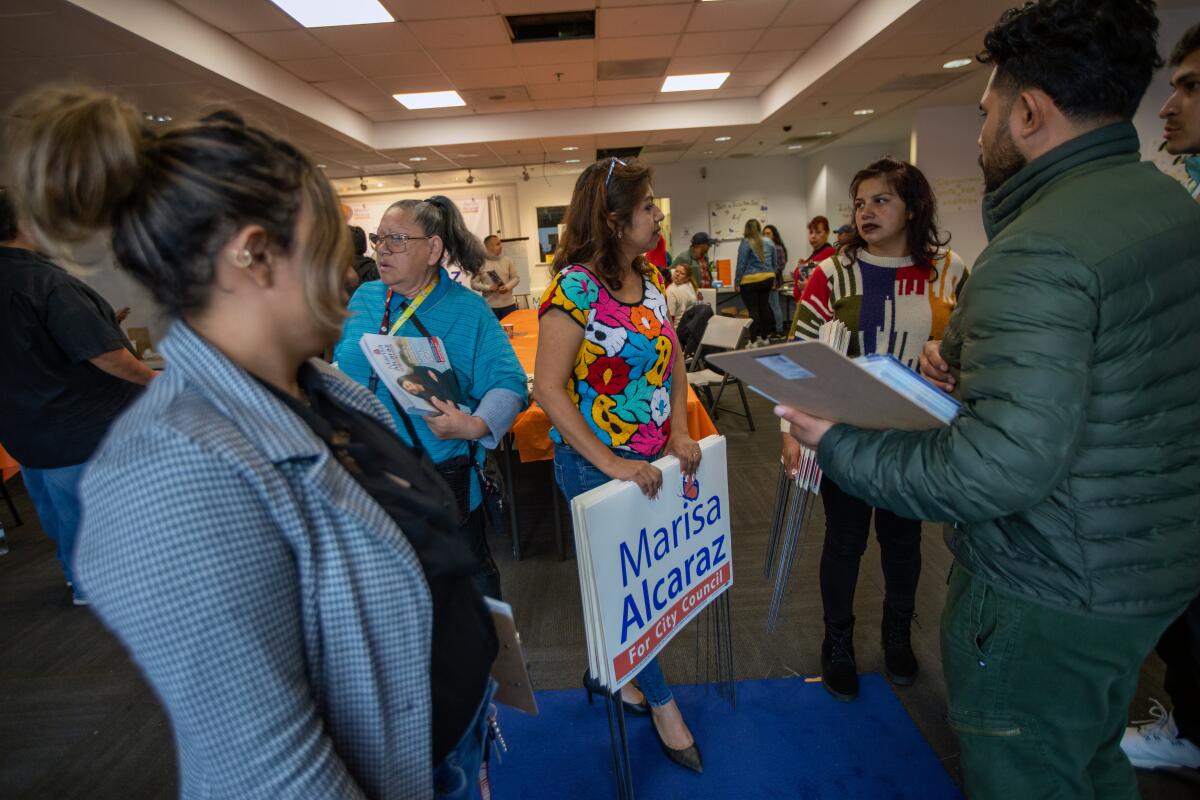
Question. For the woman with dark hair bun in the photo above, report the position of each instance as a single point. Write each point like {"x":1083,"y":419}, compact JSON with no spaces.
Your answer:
{"x":893,"y":286}
{"x":611,"y":377}
{"x":273,"y":558}
{"x":415,"y":297}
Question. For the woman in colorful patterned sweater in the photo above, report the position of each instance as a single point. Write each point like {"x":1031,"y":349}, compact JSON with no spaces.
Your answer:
{"x":893,"y":286}
{"x":607,"y":361}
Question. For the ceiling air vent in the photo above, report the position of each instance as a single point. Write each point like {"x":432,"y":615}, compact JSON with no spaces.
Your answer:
{"x":559,"y":27}
{"x":632,"y":68}
{"x":804,"y":140}
{"x":619,"y":152}
{"x":920,"y":83}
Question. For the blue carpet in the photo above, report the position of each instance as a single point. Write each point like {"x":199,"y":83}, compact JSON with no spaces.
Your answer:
{"x":786,"y":739}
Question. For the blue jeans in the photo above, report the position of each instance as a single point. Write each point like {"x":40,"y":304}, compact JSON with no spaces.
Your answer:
{"x":457,"y":777}
{"x":576,"y":475}
{"x":55,"y":495}
{"x":777,"y":311}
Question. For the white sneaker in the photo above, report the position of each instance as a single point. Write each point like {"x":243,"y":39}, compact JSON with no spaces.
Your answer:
{"x":1154,"y":743}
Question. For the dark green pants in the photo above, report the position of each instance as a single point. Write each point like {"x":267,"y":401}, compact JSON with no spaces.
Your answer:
{"x":1039,"y":697}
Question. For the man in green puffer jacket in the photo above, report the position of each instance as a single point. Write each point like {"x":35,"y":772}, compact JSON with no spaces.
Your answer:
{"x":1072,"y":469}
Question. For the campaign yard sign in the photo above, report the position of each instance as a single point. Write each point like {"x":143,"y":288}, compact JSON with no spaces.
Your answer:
{"x":648,"y":567}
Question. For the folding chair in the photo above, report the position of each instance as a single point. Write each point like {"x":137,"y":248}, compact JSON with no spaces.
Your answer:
{"x":522,"y":300}
{"x":722,"y":333}
{"x":709,"y":297}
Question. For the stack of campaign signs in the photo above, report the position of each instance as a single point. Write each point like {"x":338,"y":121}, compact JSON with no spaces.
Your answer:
{"x":648,"y":567}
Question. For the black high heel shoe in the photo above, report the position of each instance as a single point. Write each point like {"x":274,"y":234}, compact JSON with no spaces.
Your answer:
{"x":688,"y":757}
{"x":592,"y":686}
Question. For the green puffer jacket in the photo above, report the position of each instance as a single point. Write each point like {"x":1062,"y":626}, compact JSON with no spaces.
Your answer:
{"x":1073,"y":467}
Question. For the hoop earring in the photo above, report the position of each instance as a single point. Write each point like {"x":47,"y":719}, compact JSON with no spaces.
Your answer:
{"x":242,"y":259}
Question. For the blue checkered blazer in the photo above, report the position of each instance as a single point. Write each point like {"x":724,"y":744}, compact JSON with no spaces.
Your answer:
{"x":281,"y":616}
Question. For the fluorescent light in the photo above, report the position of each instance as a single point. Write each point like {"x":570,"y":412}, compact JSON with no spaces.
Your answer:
{"x":824,"y":133}
{"x":419,"y":100}
{"x":694,"y":83}
{"x":571,"y":161}
{"x":864,"y":112}
{"x":956,"y":63}
{"x":569,"y":148}
{"x":722,"y":138}
{"x":379,"y":184}
{"x":322,"y":13}
{"x":417,"y":158}
{"x":795,"y":147}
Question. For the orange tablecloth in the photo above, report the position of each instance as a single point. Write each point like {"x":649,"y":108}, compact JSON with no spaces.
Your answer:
{"x":8,"y":467}
{"x":532,"y":427}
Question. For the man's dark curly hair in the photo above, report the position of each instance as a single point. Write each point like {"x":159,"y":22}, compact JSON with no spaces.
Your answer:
{"x":1094,"y":58}
{"x":1188,"y":44}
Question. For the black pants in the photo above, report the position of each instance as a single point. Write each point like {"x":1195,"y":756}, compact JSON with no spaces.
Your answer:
{"x":501,"y":313}
{"x":847,"y":526}
{"x":473,"y":534}
{"x":757,"y":297}
{"x":1179,"y":649}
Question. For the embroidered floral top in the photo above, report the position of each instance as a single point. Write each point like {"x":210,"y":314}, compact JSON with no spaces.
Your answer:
{"x":622,"y":377}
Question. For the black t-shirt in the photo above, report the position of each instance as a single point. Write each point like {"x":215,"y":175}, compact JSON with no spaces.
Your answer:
{"x":55,"y":406}
{"x":408,"y":487}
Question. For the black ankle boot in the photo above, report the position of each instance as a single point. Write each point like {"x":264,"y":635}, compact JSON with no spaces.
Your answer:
{"x":839,"y":673}
{"x":899,"y":661}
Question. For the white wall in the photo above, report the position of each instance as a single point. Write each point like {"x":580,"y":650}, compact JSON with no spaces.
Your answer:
{"x":947,"y":152}
{"x":827,"y":177}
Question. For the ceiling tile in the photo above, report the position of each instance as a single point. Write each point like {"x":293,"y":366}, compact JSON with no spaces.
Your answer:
{"x":476,"y":57}
{"x":624,"y":3}
{"x":559,"y":73}
{"x":520,"y":147}
{"x":534,"y":54}
{"x":239,"y":16}
{"x":794,"y":38}
{"x":619,"y":49}
{"x":571,"y":102}
{"x":635,"y":86}
{"x":540,"y":6}
{"x":727,"y":42}
{"x":641,"y":20}
{"x":692,"y":65}
{"x":466,"y":32}
{"x":127,"y":69}
{"x":54,"y":34}
{"x":559,"y":91}
{"x":732,"y":16}
{"x":484,"y":78}
{"x":758,"y":62}
{"x":625,"y":100}
{"x":686,"y":135}
{"x":382,"y":37}
{"x":423,"y":9}
{"x":741,"y":78}
{"x":970,"y":46}
{"x":403,"y":63}
{"x":320,"y":69}
{"x":634,"y":139}
{"x":285,"y":45}
{"x":815,"y":12}
{"x":429,"y":82}
{"x":482,"y":98}
{"x":897,"y":44}
{"x":349,"y":87}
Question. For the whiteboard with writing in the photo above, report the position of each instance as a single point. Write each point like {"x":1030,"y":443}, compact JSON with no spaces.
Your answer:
{"x":727,"y":219}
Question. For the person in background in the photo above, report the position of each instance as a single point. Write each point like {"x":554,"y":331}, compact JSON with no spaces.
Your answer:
{"x":845,"y":235}
{"x":754,"y":277}
{"x":1172,"y":739}
{"x":781,"y":259}
{"x":364,"y":266}
{"x":696,"y":260}
{"x":68,"y":372}
{"x":657,"y":256}
{"x":818,"y":241}
{"x":254,"y":533}
{"x":1071,"y":469}
{"x":416,"y":297}
{"x":497,"y":278}
{"x":894,"y":287}
{"x":605,"y":307}
{"x":681,"y":294}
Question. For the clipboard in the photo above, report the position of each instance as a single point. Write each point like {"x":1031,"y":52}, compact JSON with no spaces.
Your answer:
{"x":816,"y":379}
{"x":510,"y":670}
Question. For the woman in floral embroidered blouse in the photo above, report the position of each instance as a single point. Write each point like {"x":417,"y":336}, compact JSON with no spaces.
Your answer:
{"x":606,"y":362}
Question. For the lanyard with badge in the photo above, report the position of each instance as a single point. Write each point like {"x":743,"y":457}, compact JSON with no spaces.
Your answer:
{"x":387,"y":327}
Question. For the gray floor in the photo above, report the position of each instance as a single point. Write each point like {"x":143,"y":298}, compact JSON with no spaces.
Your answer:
{"x":77,"y":721}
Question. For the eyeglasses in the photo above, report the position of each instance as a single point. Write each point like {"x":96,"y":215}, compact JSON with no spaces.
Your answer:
{"x":611,"y":165}
{"x":396,"y":242}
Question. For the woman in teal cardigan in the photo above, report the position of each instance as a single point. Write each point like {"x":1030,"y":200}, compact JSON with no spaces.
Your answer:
{"x":415,"y":238}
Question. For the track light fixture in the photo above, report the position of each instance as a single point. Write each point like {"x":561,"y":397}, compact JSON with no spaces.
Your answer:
{"x":416,"y":181}
{"x":470,"y":177}
{"x":524,"y":173}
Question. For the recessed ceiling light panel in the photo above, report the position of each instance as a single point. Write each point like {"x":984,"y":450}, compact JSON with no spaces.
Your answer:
{"x":322,"y":13}
{"x":421,"y":100}
{"x":864,"y":112}
{"x":957,"y":63}
{"x":723,"y":139}
{"x":694,"y":83}
{"x":417,"y":158}
{"x":569,"y":148}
